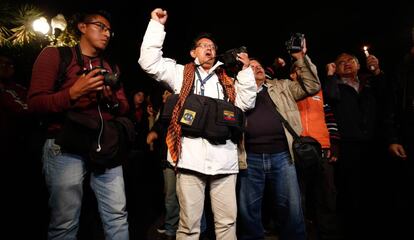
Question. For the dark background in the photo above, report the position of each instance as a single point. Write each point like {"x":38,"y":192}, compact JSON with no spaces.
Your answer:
{"x":262,"y":26}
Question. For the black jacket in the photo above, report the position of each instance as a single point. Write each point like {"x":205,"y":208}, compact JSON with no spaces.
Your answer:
{"x":359,"y":114}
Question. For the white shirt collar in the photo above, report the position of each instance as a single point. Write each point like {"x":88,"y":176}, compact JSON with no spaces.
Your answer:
{"x":216,"y":65}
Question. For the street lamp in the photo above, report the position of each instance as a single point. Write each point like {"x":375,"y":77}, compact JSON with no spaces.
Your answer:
{"x":41,"y":25}
{"x":58,"y":25}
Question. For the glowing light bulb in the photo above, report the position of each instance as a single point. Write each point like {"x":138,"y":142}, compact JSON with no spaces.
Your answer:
{"x":41,"y":25}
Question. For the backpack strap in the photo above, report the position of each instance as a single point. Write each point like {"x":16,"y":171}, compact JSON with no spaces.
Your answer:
{"x":65,"y":54}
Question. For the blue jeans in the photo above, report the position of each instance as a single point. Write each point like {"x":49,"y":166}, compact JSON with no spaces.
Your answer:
{"x":64,"y":174}
{"x":277,"y":171}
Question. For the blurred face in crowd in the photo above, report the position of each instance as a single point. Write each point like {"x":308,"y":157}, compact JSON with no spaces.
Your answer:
{"x":96,"y":31}
{"x":6,"y":68}
{"x":139,"y":98}
{"x":347,"y":65}
{"x":205,"y":52}
{"x":150,"y":109}
{"x":259,"y":73}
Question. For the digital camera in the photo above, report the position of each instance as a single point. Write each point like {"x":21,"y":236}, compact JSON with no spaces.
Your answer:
{"x":295,"y":43}
{"x":229,"y":58}
{"x":110,"y":79}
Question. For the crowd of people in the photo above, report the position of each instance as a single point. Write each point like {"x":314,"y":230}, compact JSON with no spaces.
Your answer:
{"x":215,"y":158}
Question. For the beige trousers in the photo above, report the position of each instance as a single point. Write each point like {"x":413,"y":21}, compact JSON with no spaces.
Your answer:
{"x":191,"y":193}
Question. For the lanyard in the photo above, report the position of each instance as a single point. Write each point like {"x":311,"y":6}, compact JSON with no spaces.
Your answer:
{"x":202,"y":82}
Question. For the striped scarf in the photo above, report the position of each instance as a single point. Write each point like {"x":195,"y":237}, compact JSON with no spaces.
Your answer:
{"x":173,"y":138}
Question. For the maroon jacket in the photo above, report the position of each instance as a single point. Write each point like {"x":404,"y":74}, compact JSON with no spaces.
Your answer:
{"x":43,"y":98}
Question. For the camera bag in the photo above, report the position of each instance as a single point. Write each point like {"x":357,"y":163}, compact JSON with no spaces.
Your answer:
{"x":307,"y":150}
{"x":213,"y":119}
{"x":105,"y":144}
{"x":194,"y":115}
{"x":168,"y":108}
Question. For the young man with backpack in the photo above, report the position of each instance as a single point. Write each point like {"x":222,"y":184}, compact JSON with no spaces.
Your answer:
{"x":83,"y":89}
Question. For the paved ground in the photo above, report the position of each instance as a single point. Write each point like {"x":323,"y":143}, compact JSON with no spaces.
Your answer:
{"x":154,"y":235}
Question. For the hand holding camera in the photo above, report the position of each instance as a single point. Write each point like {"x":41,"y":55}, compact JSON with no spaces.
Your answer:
{"x":110,"y":79}
{"x":110,"y":83}
{"x":296,"y":45}
{"x":243,"y":57}
{"x":93,"y":80}
{"x":235,"y":60}
{"x":86,"y":83}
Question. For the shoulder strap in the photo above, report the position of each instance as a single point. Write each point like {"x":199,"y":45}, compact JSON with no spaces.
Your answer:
{"x":287,"y":125}
{"x":65,"y":54}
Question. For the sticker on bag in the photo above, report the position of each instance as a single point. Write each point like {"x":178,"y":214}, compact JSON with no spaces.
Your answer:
{"x":188,"y":117}
{"x":229,"y":115}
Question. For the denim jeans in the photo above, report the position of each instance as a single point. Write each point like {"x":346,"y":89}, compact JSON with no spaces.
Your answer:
{"x":277,"y":171}
{"x":172,"y":208}
{"x":64,"y":174}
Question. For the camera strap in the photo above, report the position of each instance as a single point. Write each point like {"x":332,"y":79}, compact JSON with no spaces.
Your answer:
{"x":80,"y":62}
{"x":202,"y":82}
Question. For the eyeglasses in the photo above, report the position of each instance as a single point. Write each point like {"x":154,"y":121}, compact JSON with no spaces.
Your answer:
{"x":207,"y":45}
{"x":345,"y":61}
{"x":102,"y":27}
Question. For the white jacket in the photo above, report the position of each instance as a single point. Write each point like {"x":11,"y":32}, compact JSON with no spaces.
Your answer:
{"x":197,"y":154}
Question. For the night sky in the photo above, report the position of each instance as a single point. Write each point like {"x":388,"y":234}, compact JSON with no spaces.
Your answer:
{"x":335,"y":27}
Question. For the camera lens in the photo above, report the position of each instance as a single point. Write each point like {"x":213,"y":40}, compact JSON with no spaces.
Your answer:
{"x":111,"y":80}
